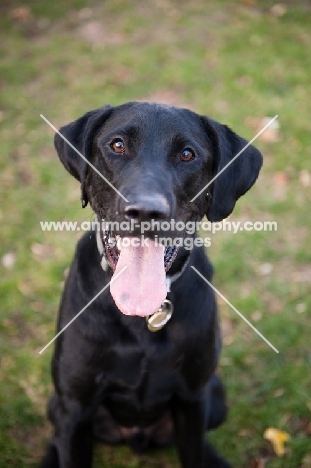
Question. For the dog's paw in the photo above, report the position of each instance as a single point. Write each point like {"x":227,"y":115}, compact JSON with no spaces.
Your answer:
{"x":217,"y":463}
{"x":213,"y":460}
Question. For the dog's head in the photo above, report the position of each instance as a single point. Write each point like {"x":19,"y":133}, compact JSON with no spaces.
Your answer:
{"x":140,"y":162}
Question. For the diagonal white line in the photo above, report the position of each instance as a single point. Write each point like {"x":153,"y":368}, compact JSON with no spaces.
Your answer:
{"x":82,"y":310}
{"x":235,"y":310}
{"x":83,"y":157}
{"x":236,"y":156}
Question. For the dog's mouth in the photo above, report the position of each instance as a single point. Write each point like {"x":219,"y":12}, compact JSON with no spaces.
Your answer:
{"x":141,"y":287}
{"x":114,"y":243}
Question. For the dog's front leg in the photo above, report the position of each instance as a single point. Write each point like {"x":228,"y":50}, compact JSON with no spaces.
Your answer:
{"x":190,"y":428}
{"x":71,"y":446}
{"x":189,"y":432}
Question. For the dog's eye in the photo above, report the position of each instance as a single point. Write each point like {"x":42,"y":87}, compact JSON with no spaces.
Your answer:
{"x":118,"y":145}
{"x":187,"y":155}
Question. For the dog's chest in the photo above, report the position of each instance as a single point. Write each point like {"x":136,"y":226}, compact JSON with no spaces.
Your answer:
{"x":136,"y":382}
{"x":145,"y":375}
{"x":133,"y":366}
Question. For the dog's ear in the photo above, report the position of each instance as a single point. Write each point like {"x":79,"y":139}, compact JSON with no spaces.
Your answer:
{"x":80,"y":134}
{"x":238,"y":177}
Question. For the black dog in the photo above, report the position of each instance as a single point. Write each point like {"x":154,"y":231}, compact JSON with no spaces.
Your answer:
{"x":136,"y":378}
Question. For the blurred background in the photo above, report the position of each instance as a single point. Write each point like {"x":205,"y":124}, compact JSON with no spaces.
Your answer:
{"x":239,"y":62}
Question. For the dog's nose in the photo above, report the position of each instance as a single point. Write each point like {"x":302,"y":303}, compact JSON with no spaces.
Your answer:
{"x":146,"y":208}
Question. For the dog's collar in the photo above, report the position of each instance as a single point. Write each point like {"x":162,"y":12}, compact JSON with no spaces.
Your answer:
{"x":160,"y":318}
{"x":101,"y":249}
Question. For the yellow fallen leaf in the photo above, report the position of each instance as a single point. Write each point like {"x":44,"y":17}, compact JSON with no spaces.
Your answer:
{"x":277,"y":439}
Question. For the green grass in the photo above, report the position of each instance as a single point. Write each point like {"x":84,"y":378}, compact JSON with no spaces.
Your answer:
{"x":225,"y":59}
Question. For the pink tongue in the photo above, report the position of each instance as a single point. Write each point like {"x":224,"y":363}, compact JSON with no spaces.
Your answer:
{"x":140,"y":289}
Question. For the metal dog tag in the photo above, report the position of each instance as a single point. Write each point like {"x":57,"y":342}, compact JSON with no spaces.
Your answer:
{"x":160,"y":318}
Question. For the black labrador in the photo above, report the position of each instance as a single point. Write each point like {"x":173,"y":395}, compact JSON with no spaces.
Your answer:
{"x":128,"y":369}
